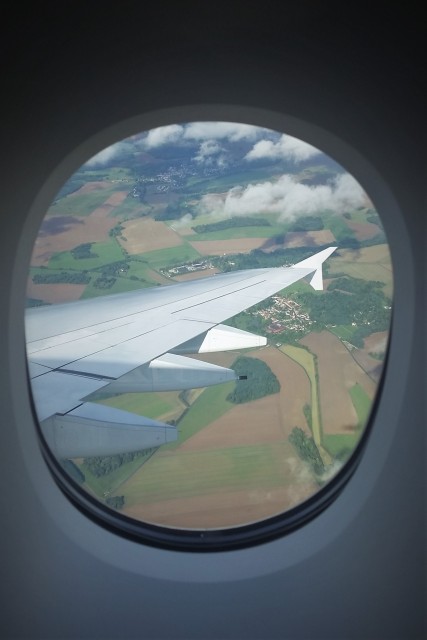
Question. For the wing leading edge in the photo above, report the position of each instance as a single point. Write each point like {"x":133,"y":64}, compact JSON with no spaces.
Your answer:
{"x":134,"y":342}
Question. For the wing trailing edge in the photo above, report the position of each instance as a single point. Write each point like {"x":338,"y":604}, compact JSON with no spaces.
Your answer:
{"x":98,"y":430}
{"x":170,"y":372}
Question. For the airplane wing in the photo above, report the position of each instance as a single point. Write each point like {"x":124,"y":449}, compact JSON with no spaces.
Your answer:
{"x":135,"y":341}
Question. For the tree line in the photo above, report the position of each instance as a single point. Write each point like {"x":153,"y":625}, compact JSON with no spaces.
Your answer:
{"x":307,"y":450}
{"x":68,"y":277}
{"x":103,"y":465}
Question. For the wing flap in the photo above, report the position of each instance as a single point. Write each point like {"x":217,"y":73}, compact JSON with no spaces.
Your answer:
{"x":98,"y":430}
{"x":61,"y":392}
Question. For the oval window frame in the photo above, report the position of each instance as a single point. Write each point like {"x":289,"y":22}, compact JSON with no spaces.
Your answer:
{"x":249,"y":535}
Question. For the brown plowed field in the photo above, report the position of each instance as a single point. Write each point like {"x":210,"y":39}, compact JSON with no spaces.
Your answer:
{"x":146,"y":234}
{"x":269,"y":419}
{"x":363,"y":230}
{"x":92,"y":186}
{"x":338,"y":372}
{"x":68,"y":232}
{"x":375,"y":343}
{"x":372,"y":366}
{"x":223,"y":509}
{"x":54,"y":293}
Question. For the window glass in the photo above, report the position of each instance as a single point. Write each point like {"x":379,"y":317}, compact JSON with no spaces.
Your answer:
{"x":171,"y":387}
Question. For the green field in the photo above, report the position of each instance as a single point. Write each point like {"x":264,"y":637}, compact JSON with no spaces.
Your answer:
{"x":341,"y":444}
{"x":107,"y":252}
{"x":362,"y":403}
{"x":359,"y":216}
{"x":338,"y":226}
{"x":152,"y":405}
{"x":129,"y":208}
{"x":107,"y":173}
{"x":142,"y":270}
{"x":306,"y":359}
{"x":343,"y":331}
{"x":197,"y":185}
{"x":209,"y":406}
{"x":182,"y":475}
{"x":121,"y":285}
{"x":240,"y":232}
{"x":170,"y":257}
{"x":83,"y":204}
{"x":111,"y":481}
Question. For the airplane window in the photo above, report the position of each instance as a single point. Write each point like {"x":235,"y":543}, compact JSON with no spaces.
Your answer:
{"x":208,"y":314}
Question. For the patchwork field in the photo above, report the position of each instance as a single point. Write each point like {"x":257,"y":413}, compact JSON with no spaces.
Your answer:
{"x":54,"y":293}
{"x":241,"y":466}
{"x":364,"y":230}
{"x":305,"y":239}
{"x":368,"y":263}
{"x":232,"y":464}
{"x":306,"y":361}
{"x":338,"y":373}
{"x":269,"y":419}
{"x":146,"y":234}
{"x":371,"y":357}
{"x":226,"y":247}
{"x":63,"y":233}
{"x":159,"y":406}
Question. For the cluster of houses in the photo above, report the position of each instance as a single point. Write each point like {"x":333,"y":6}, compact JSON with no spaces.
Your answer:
{"x":284,"y":314}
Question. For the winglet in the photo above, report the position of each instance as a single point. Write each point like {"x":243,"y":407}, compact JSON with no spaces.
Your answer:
{"x":315,"y":262}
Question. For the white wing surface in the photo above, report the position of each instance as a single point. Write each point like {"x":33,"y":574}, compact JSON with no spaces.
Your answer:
{"x":132,"y":342}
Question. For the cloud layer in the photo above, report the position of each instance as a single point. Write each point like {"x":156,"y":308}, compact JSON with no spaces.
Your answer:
{"x":287,"y":198}
{"x":206,"y":137}
{"x":107,"y":154}
{"x":287,"y":148}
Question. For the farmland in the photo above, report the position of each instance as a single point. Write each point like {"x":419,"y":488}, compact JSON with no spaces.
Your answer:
{"x":160,"y":219}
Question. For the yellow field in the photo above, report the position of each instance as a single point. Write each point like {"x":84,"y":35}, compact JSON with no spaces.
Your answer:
{"x":306,"y":360}
{"x":145,"y":234}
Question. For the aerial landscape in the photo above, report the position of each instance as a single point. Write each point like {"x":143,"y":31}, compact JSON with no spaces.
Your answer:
{"x":192,"y":200}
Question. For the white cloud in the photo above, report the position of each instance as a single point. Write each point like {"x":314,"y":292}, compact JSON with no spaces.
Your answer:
{"x":164,"y":135}
{"x":348,"y":192}
{"x":286,"y":197}
{"x":287,"y":147}
{"x":195,"y":132}
{"x":207,"y":149}
{"x":211,"y":153}
{"x":184,"y":221}
{"x":232,"y":131}
{"x":106,"y":154}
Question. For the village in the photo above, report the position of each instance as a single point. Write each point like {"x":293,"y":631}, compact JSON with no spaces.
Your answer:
{"x":284,"y":314}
